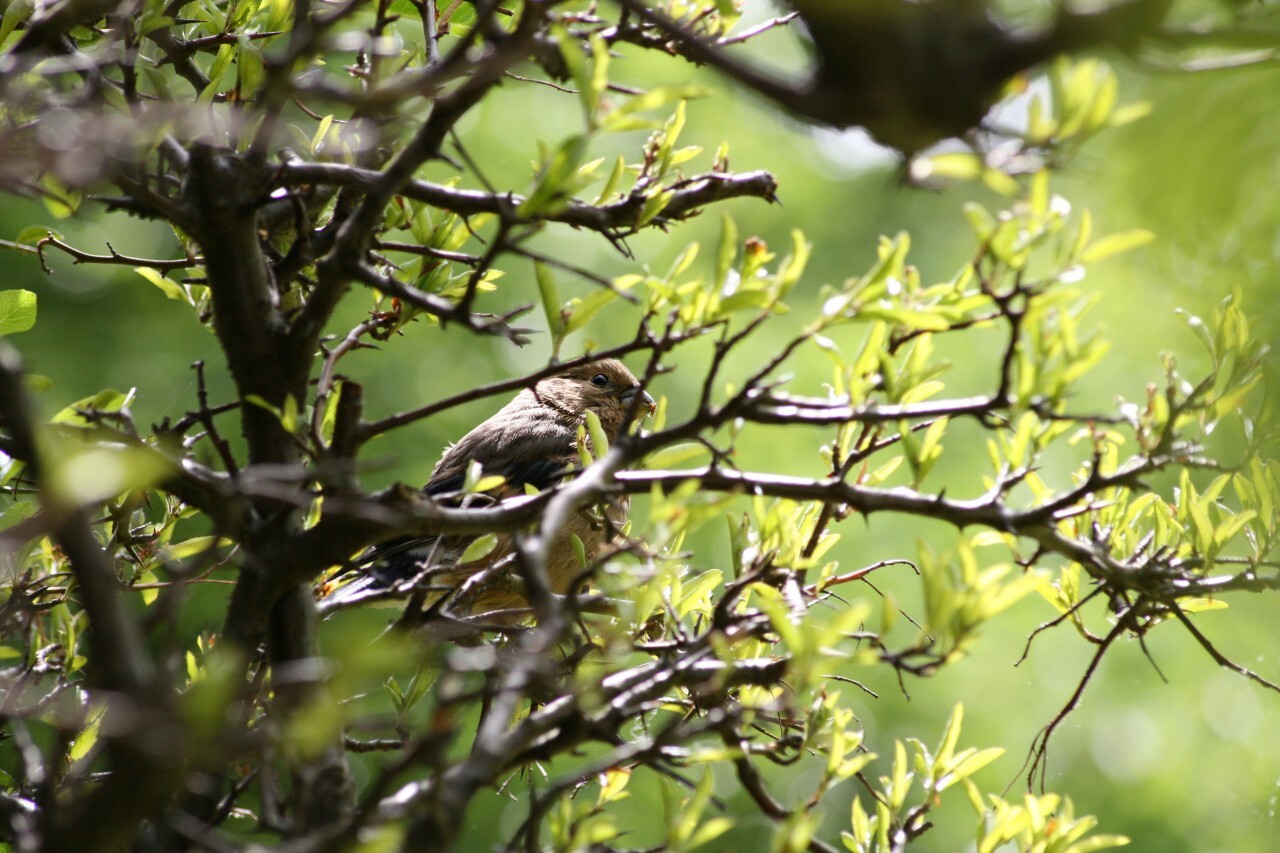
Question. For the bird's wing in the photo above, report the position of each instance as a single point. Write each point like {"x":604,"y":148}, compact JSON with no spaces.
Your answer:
{"x":526,"y":443}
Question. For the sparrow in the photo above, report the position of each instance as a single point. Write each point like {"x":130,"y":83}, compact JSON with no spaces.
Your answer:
{"x":533,"y":441}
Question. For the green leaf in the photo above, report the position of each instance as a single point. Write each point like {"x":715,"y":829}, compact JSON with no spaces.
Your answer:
{"x":549,"y":290}
{"x":1203,"y":526}
{"x":958,"y":166}
{"x":61,"y":201}
{"x":287,"y":415}
{"x":890,"y":258}
{"x":480,"y":548}
{"x":769,"y":601}
{"x":615,"y":178}
{"x":709,"y":831}
{"x":17,"y":311}
{"x":675,"y":454}
{"x":86,"y":739}
{"x":249,"y":70}
{"x":743,"y":300}
{"x":584,"y":449}
{"x":883,"y":473}
{"x":167,"y":286}
{"x":241,"y":11}
{"x":1038,"y":198}
{"x":667,"y":140}
{"x":794,"y":264}
{"x":613,"y":786}
{"x":108,"y":400}
{"x":727,"y":250}
{"x":158,"y":80}
{"x":17,"y":513}
{"x":1130,"y":113}
{"x":85,"y":476}
{"x":598,"y":79}
{"x":900,"y":781}
{"x":16,"y":13}
{"x":1200,"y":605}
{"x":575,"y":59}
{"x":221,"y":62}
{"x":33,"y":234}
{"x":950,"y":737}
{"x":980,"y":219}
{"x":322,"y":131}
{"x":1114,"y":244}
{"x":195,"y":545}
{"x":653,"y":205}
{"x":555,"y":182}
{"x":908,"y":317}
{"x":488,"y":483}
{"x":149,"y":596}
{"x":1100,"y":842}
{"x":583,"y":311}
{"x":695,"y":594}
{"x":1001,"y":183}
{"x":973,"y":761}
{"x":658,"y":96}
{"x":599,"y":440}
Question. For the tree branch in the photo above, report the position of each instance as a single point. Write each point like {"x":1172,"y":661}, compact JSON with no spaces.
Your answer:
{"x":619,"y":216}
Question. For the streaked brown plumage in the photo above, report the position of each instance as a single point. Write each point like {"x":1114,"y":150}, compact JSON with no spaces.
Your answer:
{"x":532,"y":441}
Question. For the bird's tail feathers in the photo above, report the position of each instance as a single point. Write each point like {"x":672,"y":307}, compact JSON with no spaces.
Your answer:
{"x":363,"y":589}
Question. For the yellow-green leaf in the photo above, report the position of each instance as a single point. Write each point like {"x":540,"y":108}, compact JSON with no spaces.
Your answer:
{"x":17,"y":311}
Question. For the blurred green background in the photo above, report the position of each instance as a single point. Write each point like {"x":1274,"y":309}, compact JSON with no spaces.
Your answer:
{"x":1191,"y":765}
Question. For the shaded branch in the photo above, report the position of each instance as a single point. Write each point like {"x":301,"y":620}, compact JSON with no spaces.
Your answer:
{"x":80,"y":257}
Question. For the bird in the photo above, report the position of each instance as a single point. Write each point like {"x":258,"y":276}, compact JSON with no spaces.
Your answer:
{"x":533,"y":441}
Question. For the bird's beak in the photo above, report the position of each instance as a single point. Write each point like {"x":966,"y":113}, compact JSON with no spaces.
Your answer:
{"x":630,"y":395}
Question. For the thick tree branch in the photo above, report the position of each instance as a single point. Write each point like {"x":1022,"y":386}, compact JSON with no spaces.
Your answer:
{"x":619,"y":216}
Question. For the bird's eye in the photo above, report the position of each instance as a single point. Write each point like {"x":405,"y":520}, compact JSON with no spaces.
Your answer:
{"x":599,"y":380}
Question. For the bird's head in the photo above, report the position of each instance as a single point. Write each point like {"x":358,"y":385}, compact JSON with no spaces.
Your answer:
{"x":605,"y":387}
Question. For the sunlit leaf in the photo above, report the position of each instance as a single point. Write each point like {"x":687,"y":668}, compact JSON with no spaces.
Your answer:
{"x":17,"y":311}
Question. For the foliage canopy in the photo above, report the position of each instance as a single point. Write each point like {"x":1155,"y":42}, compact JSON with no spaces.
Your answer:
{"x":315,"y":168}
